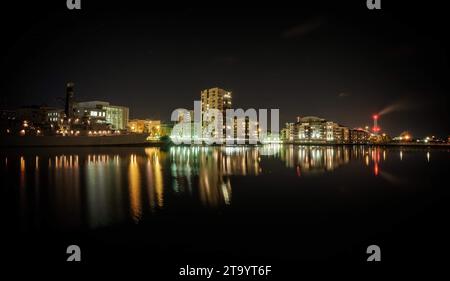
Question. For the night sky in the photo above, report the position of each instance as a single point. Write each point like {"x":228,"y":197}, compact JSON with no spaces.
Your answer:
{"x":338,"y":61}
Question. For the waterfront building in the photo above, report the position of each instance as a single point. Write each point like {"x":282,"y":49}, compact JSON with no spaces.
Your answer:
{"x":215,"y":98}
{"x":32,"y":114}
{"x":166,"y":129}
{"x":54,"y":115}
{"x":250,"y":129}
{"x":337,"y":133}
{"x":90,"y":117}
{"x":220,"y":99}
{"x":150,"y":127}
{"x":312,"y":129}
{"x":117,"y":116}
{"x":24,"y":120}
{"x":288,"y":132}
{"x":359,"y":136}
{"x":8,"y":122}
{"x":102,"y":112}
{"x":91,"y":111}
{"x":31,"y":118}
{"x":404,"y":137}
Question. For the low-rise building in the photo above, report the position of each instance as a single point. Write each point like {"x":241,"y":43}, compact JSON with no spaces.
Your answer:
{"x":54,"y":115}
{"x":359,"y":136}
{"x":103,"y":113}
{"x":166,"y":129}
{"x":312,"y":129}
{"x":151,"y":127}
{"x":288,"y":132}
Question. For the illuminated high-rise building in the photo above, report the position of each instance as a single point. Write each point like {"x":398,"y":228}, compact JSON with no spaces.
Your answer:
{"x":215,"y":98}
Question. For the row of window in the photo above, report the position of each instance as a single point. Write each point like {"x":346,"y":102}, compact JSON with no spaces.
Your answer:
{"x":98,"y":114}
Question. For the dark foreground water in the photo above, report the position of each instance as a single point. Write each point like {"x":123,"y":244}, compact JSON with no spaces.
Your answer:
{"x":224,"y":205}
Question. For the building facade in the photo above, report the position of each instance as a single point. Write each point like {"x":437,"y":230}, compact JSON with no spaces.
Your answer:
{"x":215,"y":98}
{"x":117,"y":116}
{"x":102,"y":112}
{"x":312,"y":129}
{"x":150,"y":127}
{"x":288,"y":132}
{"x":221,"y":100}
{"x":359,"y":136}
{"x":54,"y":115}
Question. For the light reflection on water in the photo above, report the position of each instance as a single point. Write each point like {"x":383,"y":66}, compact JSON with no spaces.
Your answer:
{"x":98,"y":189}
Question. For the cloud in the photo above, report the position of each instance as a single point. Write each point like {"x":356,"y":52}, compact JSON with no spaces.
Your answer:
{"x":302,"y":29}
{"x":343,"y":95}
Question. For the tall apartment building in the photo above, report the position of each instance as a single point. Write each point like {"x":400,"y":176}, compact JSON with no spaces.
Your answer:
{"x":215,"y":98}
{"x":220,"y":99}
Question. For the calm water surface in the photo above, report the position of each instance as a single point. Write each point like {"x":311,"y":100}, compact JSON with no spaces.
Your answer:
{"x":272,"y":202}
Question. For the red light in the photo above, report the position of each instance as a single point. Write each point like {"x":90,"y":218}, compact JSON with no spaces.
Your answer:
{"x":375,"y":116}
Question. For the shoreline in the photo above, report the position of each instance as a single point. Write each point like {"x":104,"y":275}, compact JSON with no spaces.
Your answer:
{"x":163,"y":144}
{"x":373,"y":144}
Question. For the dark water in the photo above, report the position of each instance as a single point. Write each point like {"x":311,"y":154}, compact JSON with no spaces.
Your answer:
{"x":255,"y":205}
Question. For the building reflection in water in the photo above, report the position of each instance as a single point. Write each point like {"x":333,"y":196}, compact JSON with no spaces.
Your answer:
{"x":315,"y":159}
{"x":105,"y":186}
{"x":213,"y":166}
{"x":320,"y":159}
{"x":64,"y":184}
{"x":134,"y":187}
{"x":101,"y":189}
{"x":154,"y":174}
